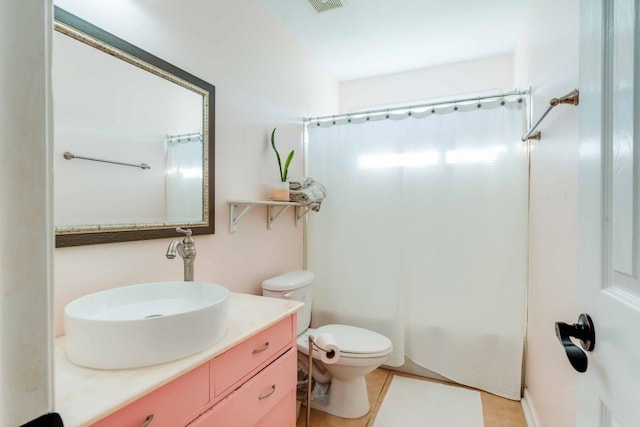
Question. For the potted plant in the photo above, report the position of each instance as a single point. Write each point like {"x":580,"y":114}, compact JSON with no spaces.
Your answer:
{"x":281,"y":189}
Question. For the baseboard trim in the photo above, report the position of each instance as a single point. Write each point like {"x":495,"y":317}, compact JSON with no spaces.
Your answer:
{"x":529,"y":410}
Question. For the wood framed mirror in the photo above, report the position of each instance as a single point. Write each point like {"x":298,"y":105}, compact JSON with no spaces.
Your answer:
{"x":133,"y":140}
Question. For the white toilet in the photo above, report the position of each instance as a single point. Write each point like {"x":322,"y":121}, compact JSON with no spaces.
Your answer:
{"x":361,"y":350}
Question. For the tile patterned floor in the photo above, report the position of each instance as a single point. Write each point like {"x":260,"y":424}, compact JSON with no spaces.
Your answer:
{"x":497,"y":411}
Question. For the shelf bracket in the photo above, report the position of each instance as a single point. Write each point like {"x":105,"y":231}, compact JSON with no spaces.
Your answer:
{"x":239,"y":208}
{"x":301,"y":211}
{"x":234,"y":217}
{"x":279,"y":210}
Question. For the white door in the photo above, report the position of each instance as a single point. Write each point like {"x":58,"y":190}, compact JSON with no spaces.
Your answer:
{"x":609,"y":211}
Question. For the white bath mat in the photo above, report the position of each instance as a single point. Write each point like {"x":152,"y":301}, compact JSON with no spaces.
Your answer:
{"x":415,"y":403}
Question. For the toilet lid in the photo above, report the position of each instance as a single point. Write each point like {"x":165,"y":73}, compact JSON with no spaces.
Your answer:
{"x":351,"y":339}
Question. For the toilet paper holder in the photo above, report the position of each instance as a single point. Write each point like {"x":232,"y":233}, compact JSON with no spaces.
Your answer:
{"x":329,"y":353}
{"x":309,"y":376}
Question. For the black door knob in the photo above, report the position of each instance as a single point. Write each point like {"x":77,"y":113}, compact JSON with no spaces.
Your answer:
{"x":583,"y":331}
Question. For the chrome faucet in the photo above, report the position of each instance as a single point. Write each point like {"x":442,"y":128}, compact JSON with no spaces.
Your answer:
{"x":187,"y":250}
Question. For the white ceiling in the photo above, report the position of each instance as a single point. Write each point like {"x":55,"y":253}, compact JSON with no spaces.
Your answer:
{"x":368,"y":38}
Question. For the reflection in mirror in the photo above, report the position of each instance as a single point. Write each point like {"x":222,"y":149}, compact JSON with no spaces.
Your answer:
{"x":133,"y":140}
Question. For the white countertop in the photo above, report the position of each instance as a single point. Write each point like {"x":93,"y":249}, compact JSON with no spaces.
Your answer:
{"x":83,"y":396}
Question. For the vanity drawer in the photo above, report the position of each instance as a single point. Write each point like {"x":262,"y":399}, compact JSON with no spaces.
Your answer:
{"x":172,"y":405}
{"x":268,"y":399}
{"x":281,"y":415}
{"x":237,"y":363}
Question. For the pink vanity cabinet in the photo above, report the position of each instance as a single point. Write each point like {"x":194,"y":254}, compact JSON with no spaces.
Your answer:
{"x":251,"y":384}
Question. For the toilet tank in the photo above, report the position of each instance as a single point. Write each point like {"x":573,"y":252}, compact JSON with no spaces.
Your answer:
{"x":296,"y":286}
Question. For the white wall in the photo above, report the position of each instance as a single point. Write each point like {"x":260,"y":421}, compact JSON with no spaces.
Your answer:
{"x":487,"y":75}
{"x":547,"y":59}
{"x":263,"y":79}
{"x":25,"y":212}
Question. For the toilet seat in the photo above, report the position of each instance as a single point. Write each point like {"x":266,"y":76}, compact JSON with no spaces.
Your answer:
{"x":354,"y":342}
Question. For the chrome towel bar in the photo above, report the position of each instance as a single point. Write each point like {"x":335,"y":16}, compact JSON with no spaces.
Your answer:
{"x":69,"y":156}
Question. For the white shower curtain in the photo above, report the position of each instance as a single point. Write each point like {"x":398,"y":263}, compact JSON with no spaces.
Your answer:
{"x":184,"y":180}
{"x":423,"y":237}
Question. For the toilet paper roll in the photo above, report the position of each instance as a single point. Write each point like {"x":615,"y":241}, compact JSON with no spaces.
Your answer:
{"x":329,"y":351}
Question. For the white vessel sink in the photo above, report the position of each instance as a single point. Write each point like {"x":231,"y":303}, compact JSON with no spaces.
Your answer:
{"x":141,"y":325}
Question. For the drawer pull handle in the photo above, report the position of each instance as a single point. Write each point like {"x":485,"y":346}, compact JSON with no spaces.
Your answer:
{"x":269,"y":393}
{"x":261,"y":349}
{"x":147,"y":421}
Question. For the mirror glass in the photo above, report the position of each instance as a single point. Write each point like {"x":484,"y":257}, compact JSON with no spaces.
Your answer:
{"x":133,"y":140}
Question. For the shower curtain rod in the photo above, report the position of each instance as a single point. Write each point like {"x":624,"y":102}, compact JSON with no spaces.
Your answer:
{"x":417,"y":106}
{"x":572,"y":98}
{"x":185,"y":136}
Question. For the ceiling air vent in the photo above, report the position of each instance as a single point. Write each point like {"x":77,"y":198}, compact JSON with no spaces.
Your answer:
{"x":324,"y":5}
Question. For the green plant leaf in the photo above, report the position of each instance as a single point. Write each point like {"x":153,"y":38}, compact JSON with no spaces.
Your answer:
{"x":273,"y":145}
{"x":286,"y":165}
